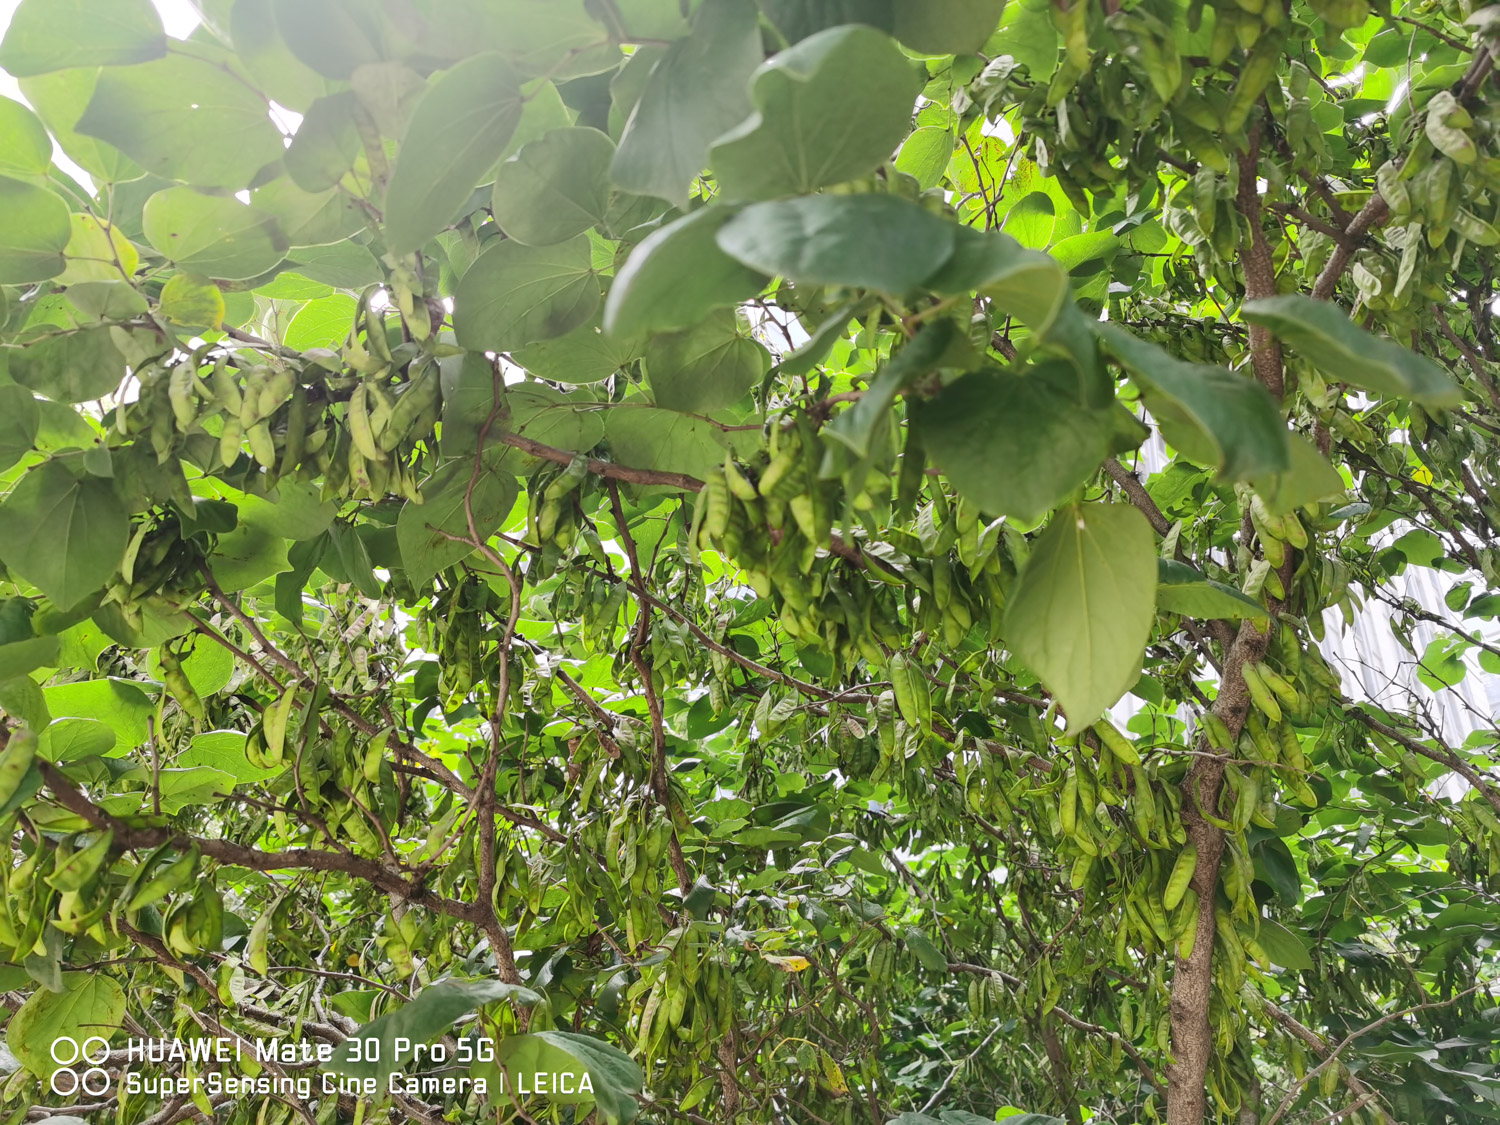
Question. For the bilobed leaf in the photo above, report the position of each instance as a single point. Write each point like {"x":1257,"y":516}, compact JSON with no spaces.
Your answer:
{"x":70,"y":366}
{"x":25,"y":148}
{"x":828,"y":109}
{"x":1083,"y":607}
{"x":614,"y":1075}
{"x":947,"y":27}
{"x":704,"y":368}
{"x":1215,"y":417}
{"x":676,"y":277}
{"x":34,"y":228}
{"x":870,"y":241}
{"x":90,"y":1004}
{"x":555,"y":187}
{"x":696,"y":91}
{"x":459,"y":128}
{"x":1025,"y":283}
{"x":1016,"y":445}
{"x":425,"y":550}
{"x":48,"y":35}
{"x":63,"y":535}
{"x":1181,"y":589}
{"x":19,"y":419}
{"x":432,"y":1013}
{"x":1307,"y":479}
{"x":514,"y":295}
{"x":585,"y":355}
{"x":183,"y":118}
{"x":1324,"y":335}
{"x":646,"y":437}
{"x":212,"y":235}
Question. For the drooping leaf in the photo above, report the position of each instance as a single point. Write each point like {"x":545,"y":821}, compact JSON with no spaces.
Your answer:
{"x":925,"y":155}
{"x":70,"y":366}
{"x":326,"y":143}
{"x":704,"y":368}
{"x":922,"y":946}
{"x":34,"y":228}
{"x":459,"y":128}
{"x":1217,"y":418}
{"x":48,"y":35}
{"x":1014,"y":444}
{"x":213,"y":235}
{"x":831,"y":240}
{"x":829,"y":109}
{"x":1326,"y":337}
{"x":1083,"y":607}
{"x":1025,"y":283}
{"x":1307,"y":479}
{"x":62,"y":534}
{"x":676,"y":277}
{"x":650,"y":438}
{"x":90,"y":1004}
{"x":59,"y":98}
{"x":333,"y":37}
{"x":1181,"y":589}
{"x":614,"y":1075}
{"x":432,"y":1013}
{"x":19,"y":420}
{"x":1285,"y":947}
{"x":554,"y":188}
{"x":696,"y":91}
{"x":515,"y":295}
{"x":184,"y":118}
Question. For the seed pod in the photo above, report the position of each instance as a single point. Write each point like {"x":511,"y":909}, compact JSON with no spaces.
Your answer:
{"x":1182,"y":875}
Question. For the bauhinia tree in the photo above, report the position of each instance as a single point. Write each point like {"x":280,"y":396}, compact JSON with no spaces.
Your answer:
{"x":615,"y":528}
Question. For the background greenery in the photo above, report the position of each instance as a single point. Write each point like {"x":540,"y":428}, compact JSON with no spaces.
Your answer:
{"x":603,"y":523}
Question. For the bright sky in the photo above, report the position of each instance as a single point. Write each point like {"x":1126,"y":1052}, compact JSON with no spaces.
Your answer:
{"x":177,"y":16}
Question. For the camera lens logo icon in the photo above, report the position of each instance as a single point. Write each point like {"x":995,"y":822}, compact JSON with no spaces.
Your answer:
{"x":80,"y":1066}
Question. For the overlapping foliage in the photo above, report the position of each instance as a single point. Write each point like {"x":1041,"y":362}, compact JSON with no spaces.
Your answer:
{"x":609,"y":515}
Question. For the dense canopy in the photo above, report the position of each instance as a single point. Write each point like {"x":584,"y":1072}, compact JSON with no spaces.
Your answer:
{"x":777,"y":556}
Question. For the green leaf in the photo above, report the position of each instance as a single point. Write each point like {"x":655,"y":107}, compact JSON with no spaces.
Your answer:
{"x":676,"y":277}
{"x":585,"y":355}
{"x":90,"y":1004}
{"x":1326,"y":337}
{"x":213,"y":235}
{"x":1308,"y":478}
{"x":20,"y":657}
{"x":704,"y":368}
{"x":25,"y":148}
{"x":184,"y":118}
{"x":937,"y":344}
{"x":1015,"y":445}
{"x":34,"y":229}
{"x":645,"y":437}
{"x":223,"y":751}
{"x":1181,"y":589}
{"x":514,"y":295}
{"x":926,"y":952}
{"x":431,"y":1014}
{"x":48,"y":35}
{"x":696,"y":91}
{"x":1285,"y":947}
{"x":1021,"y":282}
{"x":192,"y":302}
{"x":59,"y":99}
{"x":832,"y":240}
{"x":947,"y":27}
{"x":555,"y":187}
{"x":278,"y":72}
{"x":71,"y":740}
{"x":64,"y":535}
{"x":322,"y":323}
{"x":1084,"y":605}
{"x":1031,"y":220}
{"x":333,"y":37}
{"x":19,"y":420}
{"x":829,"y":109}
{"x":326,"y":143}
{"x":925,"y":155}
{"x":614,"y":1075}
{"x":71,"y":366}
{"x":424,"y":549}
{"x":542,"y":413}
{"x":344,"y":265}
{"x":459,"y":128}
{"x":1215,"y":417}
